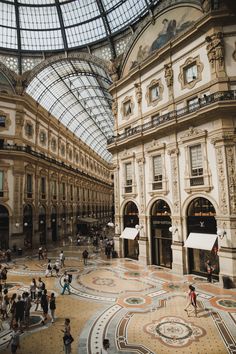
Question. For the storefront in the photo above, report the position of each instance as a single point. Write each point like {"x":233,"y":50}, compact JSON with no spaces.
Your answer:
{"x":131,"y":219}
{"x":202,"y":241}
{"x":161,"y":237}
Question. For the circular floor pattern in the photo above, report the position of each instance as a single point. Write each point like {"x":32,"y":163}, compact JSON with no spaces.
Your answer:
{"x":174,"y":331}
{"x":228,"y":303}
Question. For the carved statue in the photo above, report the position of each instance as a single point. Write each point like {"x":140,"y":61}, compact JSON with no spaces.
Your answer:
{"x":206,"y":5}
{"x":215,"y":48}
{"x":114,"y":108}
{"x":113,"y":68}
{"x":138,"y":92}
{"x":168,"y":75}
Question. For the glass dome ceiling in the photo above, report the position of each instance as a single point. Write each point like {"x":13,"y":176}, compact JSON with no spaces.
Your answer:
{"x":50,"y":25}
{"x":75,"y":91}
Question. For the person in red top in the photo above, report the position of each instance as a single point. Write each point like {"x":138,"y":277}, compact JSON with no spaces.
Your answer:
{"x":192,"y":300}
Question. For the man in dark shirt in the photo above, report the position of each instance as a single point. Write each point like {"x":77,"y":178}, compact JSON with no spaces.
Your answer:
{"x":20,"y":310}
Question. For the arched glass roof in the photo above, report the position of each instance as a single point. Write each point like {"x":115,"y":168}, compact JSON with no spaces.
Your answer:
{"x":75,"y":91}
{"x":50,"y":25}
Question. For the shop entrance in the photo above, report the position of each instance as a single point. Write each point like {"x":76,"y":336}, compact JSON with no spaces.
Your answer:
{"x":201,"y":219}
{"x":161,"y":237}
{"x":131,"y":219}
{"x":4,"y":227}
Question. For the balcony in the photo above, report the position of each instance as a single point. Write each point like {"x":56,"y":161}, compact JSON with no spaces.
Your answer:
{"x":174,"y":115}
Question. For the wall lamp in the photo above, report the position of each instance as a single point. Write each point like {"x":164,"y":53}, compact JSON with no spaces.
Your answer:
{"x":173,"y":229}
{"x":17,"y":224}
{"x":41,"y":222}
{"x":221,"y":233}
{"x":25,"y":224}
{"x":111,"y":224}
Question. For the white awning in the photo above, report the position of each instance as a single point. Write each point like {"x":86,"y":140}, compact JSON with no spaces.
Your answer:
{"x":200,"y":241}
{"x":129,"y":233}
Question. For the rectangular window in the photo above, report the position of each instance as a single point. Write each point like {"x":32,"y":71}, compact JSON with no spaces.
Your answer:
{"x":128,"y":178}
{"x":29,"y":185}
{"x":154,"y":93}
{"x":2,"y":121}
{"x":43,"y":187}
{"x":54,"y":189}
{"x":29,"y":129}
{"x":190,"y":73}
{"x":196,"y":165}
{"x":63,"y":186}
{"x":157,"y":172}
{"x":71,"y":192}
{"x":127,"y":108}
{"x":1,"y":183}
{"x":77,"y":191}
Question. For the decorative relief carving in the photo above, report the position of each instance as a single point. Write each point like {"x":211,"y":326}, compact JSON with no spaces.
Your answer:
{"x":175,"y":184}
{"x":192,"y":133}
{"x":140,"y":160}
{"x":231,"y":167}
{"x":222,"y":180}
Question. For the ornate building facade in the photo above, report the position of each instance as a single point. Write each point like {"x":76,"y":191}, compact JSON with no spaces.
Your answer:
{"x":174,"y":145}
{"x":51,"y":183}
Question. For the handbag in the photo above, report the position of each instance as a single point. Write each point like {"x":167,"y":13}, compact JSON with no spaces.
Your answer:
{"x":68,"y":339}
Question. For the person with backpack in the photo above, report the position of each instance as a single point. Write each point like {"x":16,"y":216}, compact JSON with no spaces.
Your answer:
{"x":85,"y":256}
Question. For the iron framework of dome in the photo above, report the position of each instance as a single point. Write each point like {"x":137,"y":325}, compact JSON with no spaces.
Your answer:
{"x":51,"y":25}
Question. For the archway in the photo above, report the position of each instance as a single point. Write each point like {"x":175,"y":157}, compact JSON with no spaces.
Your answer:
{"x":131,"y":219}
{"x":28,"y":225}
{"x":4,"y":227}
{"x":42,"y":225}
{"x":161,"y":237}
{"x":201,"y":220}
{"x":54,"y":223}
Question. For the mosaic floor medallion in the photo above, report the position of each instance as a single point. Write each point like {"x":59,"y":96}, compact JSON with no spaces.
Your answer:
{"x":134,"y":300}
{"x":174,"y":331}
{"x":103,"y":281}
{"x":227,"y":303}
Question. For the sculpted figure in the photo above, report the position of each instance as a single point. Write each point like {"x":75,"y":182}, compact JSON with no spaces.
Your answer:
{"x":168,"y":75}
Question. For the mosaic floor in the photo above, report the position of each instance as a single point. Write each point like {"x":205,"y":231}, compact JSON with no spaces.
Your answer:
{"x":139,"y":308}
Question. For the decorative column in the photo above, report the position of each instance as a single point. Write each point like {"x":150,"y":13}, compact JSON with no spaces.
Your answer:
{"x":226,"y":219}
{"x":18,"y":175}
{"x":117,"y":242}
{"x":143,"y":239}
{"x":178,"y":262}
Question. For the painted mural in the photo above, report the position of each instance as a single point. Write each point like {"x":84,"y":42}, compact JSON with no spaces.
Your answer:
{"x":166,"y":27}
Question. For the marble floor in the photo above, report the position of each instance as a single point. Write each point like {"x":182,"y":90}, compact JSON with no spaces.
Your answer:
{"x":139,"y":308}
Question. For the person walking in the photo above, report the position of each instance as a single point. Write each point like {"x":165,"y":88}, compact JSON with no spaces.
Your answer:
{"x":40,"y":253}
{"x":27,"y":309}
{"x":67,"y":338}
{"x":49,"y":269}
{"x":52,"y":306}
{"x":13,"y":309}
{"x":85,"y":255}
{"x":191,"y":300}
{"x":15,"y":339}
{"x":56,"y":267}
{"x":66,"y":284}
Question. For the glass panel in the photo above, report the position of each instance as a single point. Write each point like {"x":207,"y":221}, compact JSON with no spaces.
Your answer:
{"x":29,"y":184}
{"x":190,"y":73}
{"x":157,"y":166}
{"x":196,"y":160}
{"x":128,"y":169}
